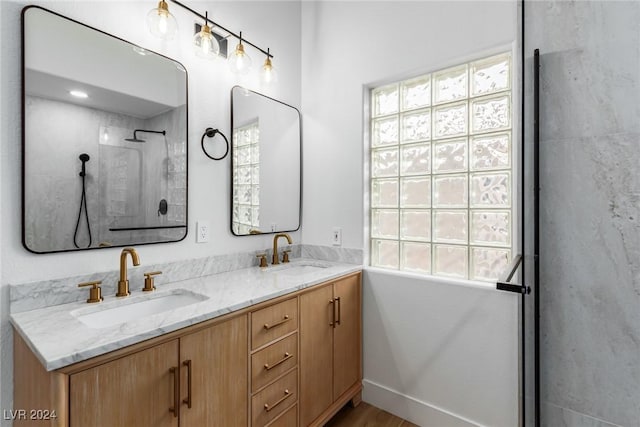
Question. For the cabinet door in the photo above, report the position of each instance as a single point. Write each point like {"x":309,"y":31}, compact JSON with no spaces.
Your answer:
{"x":346,"y":335}
{"x":136,"y":390}
{"x":219,"y":375}
{"x":316,"y":353}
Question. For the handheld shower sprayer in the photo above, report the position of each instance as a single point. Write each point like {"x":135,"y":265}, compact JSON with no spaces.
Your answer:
{"x":84,"y":158}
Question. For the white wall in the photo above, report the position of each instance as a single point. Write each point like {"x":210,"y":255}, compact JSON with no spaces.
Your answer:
{"x":435,"y":354}
{"x":268,"y":24}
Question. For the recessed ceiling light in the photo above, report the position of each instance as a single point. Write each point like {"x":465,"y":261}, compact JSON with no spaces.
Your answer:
{"x":78,"y":94}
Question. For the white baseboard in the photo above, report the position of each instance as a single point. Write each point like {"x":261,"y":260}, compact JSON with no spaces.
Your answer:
{"x":410,"y":408}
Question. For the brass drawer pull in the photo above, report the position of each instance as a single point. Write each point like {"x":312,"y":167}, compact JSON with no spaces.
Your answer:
{"x":278,"y":323}
{"x":268,"y":407}
{"x":333,"y":314}
{"x":287,"y":356}
{"x":187,"y":363}
{"x":176,"y":391}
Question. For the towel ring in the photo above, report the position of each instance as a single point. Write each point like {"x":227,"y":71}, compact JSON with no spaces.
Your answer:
{"x":210,"y":133}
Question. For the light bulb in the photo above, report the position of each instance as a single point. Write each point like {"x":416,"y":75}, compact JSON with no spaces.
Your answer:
{"x":239,"y":61}
{"x":269,"y":75}
{"x":205,"y":44}
{"x":161,"y":22}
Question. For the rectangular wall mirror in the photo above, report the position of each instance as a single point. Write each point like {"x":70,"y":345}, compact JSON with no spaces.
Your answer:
{"x":266,"y":175}
{"x":104,"y":139}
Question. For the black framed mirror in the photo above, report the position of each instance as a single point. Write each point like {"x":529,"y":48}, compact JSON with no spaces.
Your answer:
{"x":104,"y":139}
{"x":266,"y":165}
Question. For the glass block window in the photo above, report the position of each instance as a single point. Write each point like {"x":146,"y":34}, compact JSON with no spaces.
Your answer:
{"x":441,"y":172}
{"x":246,"y":183}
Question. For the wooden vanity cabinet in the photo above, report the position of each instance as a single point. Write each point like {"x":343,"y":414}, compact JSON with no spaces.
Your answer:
{"x":215,"y":361}
{"x":203,"y":374}
{"x":135,"y":390}
{"x":274,"y":364}
{"x":330,"y":349}
{"x":293,"y":361}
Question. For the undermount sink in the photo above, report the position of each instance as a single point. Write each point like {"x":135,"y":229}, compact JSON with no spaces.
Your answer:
{"x":133,"y":308}
{"x":298,"y":268}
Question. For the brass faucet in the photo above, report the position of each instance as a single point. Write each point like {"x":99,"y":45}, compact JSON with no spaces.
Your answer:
{"x":123,"y":283}
{"x":274,"y":259}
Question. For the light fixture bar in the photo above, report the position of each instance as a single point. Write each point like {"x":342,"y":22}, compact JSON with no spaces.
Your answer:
{"x":215,"y":24}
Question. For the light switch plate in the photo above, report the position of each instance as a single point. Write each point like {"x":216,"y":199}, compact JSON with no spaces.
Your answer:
{"x":202,"y":231}
{"x":336,"y":236}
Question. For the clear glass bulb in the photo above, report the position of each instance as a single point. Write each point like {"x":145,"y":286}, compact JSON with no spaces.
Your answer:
{"x":205,"y":44}
{"x":161,"y":22}
{"x":239,"y":61}
{"x":269,"y":75}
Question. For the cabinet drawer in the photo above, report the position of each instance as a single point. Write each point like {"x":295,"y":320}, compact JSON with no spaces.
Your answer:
{"x":270,"y":362}
{"x":273,"y":322}
{"x":275,"y":399}
{"x":288,"y":419}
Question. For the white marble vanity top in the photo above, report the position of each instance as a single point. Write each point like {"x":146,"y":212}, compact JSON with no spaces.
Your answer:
{"x":59,"y":339}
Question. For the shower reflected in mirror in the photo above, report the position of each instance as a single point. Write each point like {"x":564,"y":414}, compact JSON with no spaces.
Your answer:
{"x":126,"y":112}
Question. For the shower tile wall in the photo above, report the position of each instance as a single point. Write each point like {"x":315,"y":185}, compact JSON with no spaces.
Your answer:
{"x":54,"y":198}
{"x":590,"y":209}
{"x":56,"y":201}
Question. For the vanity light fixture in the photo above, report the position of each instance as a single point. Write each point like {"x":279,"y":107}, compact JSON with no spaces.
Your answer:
{"x":239,"y":61}
{"x":268,"y":75}
{"x":205,"y":44}
{"x":78,"y":94}
{"x":161,"y":22}
{"x":207,"y":41}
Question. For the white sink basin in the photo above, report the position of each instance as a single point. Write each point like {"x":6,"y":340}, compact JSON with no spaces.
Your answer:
{"x":133,"y":308}
{"x":298,"y":268}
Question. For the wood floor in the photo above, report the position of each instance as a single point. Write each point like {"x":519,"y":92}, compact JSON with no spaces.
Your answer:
{"x":365,"y":415}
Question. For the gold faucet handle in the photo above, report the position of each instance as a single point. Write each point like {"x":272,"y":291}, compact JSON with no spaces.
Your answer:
{"x":148,"y":281}
{"x":95,"y":293}
{"x":263,"y":259}
{"x":285,"y":255}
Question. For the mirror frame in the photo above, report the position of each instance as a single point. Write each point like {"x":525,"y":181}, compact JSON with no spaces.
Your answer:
{"x":23,"y":136}
{"x":231,"y":168}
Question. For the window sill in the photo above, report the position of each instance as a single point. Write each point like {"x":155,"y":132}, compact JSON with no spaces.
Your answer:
{"x":489,"y":286}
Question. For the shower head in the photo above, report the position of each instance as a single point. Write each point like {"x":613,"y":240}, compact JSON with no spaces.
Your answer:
{"x":84,"y":157}
{"x":135,"y":135}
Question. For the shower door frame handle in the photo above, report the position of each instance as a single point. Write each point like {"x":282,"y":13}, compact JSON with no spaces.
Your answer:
{"x":505,"y":284}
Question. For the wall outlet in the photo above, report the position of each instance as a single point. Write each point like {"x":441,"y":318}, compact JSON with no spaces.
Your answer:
{"x":202,"y":231}
{"x":336,"y":236}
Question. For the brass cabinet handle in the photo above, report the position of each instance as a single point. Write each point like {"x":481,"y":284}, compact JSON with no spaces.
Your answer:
{"x":333,"y":314}
{"x":278,"y":323}
{"x":187,"y":363}
{"x":286,"y":357}
{"x":176,"y":391}
{"x":339,"y":304}
{"x":268,"y":407}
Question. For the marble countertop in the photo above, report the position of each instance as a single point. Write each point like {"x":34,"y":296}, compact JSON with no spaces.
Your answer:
{"x":59,"y":339}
